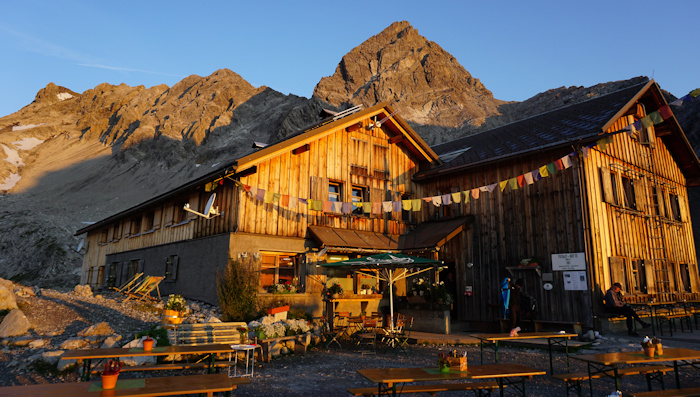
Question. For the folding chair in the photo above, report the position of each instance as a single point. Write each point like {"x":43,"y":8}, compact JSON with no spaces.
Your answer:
{"x":328,"y":334}
{"x":145,"y":288}
{"x":342,"y":323}
{"x":368,"y":336}
{"x":128,"y":284}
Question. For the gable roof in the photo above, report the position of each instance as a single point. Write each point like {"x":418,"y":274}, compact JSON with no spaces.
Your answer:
{"x":574,"y":125}
{"x":405,"y":136}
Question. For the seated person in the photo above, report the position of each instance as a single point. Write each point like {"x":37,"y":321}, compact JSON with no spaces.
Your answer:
{"x":614,"y":305}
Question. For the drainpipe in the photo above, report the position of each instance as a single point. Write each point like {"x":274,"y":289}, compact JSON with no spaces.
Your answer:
{"x":587,"y":240}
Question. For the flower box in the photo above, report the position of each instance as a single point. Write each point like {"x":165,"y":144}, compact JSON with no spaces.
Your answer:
{"x":276,"y":310}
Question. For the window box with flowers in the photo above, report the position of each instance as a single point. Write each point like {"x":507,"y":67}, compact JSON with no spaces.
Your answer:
{"x":282,"y":288}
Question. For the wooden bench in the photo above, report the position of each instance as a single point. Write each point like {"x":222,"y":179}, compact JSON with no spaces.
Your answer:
{"x":670,"y":319}
{"x":205,"y":334}
{"x":301,"y":342}
{"x":543,"y":325}
{"x":693,"y":391}
{"x":428,"y":388}
{"x":573,"y":380}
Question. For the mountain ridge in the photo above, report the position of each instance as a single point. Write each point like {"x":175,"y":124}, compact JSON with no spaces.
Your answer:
{"x":72,"y":158}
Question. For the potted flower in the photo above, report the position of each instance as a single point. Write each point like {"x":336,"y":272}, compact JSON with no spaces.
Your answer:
{"x":243,"y":335}
{"x":110,"y":374}
{"x":174,"y":311}
{"x":148,"y":344}
{"x":657,"y":345}
{"x":443,"y":362}
{"x":335,"y":291}
{"x":648,"y":346}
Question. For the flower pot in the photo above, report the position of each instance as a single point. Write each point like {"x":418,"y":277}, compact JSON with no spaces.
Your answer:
{"x":280,"y":309}
{"x":659,"y":349}
{"x":444,"y":368}
{"x":649,"y":351}
{"x":148,"y":344}
{"x":109,"y":381}
{"x":335,"y":296}
{"x":260,"y":334}
{"x":171,"y":318}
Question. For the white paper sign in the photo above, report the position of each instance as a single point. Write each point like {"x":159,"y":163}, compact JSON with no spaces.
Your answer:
{"x":575,"y":281}
{"x":572,"y":261}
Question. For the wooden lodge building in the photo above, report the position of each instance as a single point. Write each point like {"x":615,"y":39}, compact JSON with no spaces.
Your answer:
{"x":576,"y":190}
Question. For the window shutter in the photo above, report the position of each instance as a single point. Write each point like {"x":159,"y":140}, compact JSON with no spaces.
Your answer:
{"x":661,"y":199}
{"x":617,"y":272}
{"x":168,"y":214}
{"x":682,"y":208}
{"x":639,"y":195}
{"x":608,"y":195}
{"x":176,"y":262}
{"x":376,"y":195}
{"x":157,"y":215}
{"x":194,"y":205}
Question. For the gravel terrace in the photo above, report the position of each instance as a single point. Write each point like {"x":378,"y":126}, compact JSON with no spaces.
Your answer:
{"x":56,"y":316}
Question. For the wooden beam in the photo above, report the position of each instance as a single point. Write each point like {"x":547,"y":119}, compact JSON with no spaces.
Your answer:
{"x":396,"y":139}
{"x":301,"y":149}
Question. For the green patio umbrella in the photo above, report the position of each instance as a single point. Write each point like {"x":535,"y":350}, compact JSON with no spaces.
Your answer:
{"x":390,"y":268}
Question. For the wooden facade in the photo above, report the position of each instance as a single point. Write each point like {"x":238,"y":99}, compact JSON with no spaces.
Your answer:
{"x":623,"y":204}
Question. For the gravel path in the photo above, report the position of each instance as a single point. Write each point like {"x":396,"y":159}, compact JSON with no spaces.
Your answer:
{"x":56,"y":316}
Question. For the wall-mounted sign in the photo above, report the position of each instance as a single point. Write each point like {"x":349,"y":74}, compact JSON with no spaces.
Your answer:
{"x":575,"y":281}
{"x":547,"y":286}
{"x":572,"y":261}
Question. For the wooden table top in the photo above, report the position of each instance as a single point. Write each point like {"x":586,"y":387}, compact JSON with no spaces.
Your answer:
{"x":524,"y":335}
{"x":80,"y":354}
{"x":163,"y":386}
{"x":639,"y":357}
{"x":487,"y":371}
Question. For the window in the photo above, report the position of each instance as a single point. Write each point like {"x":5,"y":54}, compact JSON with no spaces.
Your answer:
{"x":684,"y":270}
{"x":104,"y":235}
{"x":406,"y":215}
{"x":115,"y":232}
{"x":278,"y":269}
{"x":148,"y":221}
{"x":112,"y":274}
{"x":359,"y":195}
{"x":675,"y":212}
{"x":628,"y":197}
{"x":135,"y":226}
{"x":335,"y":192}
{"x":380,"y":157}
{"x":171,"y":264}
{"x":179,"y":214}
{"x":639,"y":277}
{"x":132,"y":269}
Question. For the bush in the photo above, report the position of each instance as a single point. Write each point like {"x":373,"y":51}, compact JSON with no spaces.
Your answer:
{"x":157,"y":333}
{"x":237,"y":290}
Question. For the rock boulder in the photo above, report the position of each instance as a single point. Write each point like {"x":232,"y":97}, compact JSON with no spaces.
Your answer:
{"x":14,"y":324}
{"x":7,"y":299}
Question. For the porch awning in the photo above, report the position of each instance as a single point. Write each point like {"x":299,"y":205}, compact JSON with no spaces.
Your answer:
{"x":427,"y":235}
{"x":345,"y":238}
{"x":434,"y":234}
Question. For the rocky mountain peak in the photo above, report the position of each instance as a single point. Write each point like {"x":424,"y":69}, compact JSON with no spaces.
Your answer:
{"x":53,"y":93}
{"x":424,"y":82}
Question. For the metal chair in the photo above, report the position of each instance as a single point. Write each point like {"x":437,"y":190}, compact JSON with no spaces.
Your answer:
{"x":368,"y":336}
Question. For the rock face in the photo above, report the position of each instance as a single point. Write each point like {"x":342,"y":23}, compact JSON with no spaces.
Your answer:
{"x":416,"y":76}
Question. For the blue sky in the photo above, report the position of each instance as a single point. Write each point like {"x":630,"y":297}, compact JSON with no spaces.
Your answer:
{"x":516,"y":48}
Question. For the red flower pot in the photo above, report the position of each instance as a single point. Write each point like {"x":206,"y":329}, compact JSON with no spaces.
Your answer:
{"x":148,"y":344}
{"x":109,"y":381}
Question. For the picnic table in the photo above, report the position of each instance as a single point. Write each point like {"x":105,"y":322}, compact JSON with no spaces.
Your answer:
{"x":388,"y":378}
{"x":608,"y":363}
{"x":654,"y":308}
{"x":163,"y":386}
{"x":87,"y":355}
{"x":553,"y":338}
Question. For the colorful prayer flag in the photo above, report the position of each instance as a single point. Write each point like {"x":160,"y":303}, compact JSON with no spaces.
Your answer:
{"x":276,"y":197}
{"x":396,"y":205}
{"x":521,"y":180}
{"x":347,"y":208}
{"x":457,"y":197}
{"x":437,"y":200}
{"x":665,"y":112}
{"x":529,"y":179}
{"x":386,"y":206}
{"x":503,"y":184}
{"x":656,"y":117}
{"x":285,"y":200}
{"x":367,"y":207}
{"x":446,"y":199}
{"x":566,"y":161}
{"x":406,"y":204}
{"x":293,"y":202}
{"x":338,"y":206}
{"x":513,"y":183}
{"x":646,"y":121}
{"x":327,"y":206}
{"x":377,"y":208}
{"x":475,"y":193}
{"x":261,"y":194}
{"x":416,"y":204}
{"x":543,"y":171}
